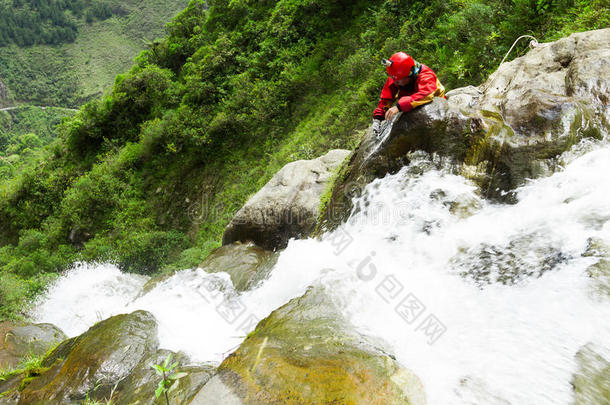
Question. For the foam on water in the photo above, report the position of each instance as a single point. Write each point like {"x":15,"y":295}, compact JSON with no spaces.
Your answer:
{"x":486,"y":303}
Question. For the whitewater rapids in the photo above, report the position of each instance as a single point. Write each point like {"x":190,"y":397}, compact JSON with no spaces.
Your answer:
{"x":486,"y":303}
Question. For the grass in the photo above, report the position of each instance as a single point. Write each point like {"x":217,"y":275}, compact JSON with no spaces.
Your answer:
{"x":30,"y":368}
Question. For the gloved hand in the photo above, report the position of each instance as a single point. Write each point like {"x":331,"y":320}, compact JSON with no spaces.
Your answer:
{"x":376,"y":127}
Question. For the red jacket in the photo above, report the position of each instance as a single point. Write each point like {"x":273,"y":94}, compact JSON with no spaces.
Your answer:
{"x":425,"y":88}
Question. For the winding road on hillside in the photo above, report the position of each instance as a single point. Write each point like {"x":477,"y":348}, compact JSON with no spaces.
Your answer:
{"x":37,"y":106}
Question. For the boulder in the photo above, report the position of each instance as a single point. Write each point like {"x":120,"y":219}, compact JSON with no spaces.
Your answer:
{"x":94,"y":362}
{"x":533,"y":92}
{"x":139,"y":387}
{"x":246,"y":263}
{"x":153,"y":282}
{"x":287,"y":206}
{"x":501,"y":133}
{"x":19,"y":340}
{"x":591,"y":381}
{"x":305,"y":352}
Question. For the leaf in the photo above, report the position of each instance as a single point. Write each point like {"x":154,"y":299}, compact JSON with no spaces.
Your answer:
{"x":159,"y":390}
{"x":172,"y":387}
{"x":177,"y":376}
{"x":167,"y":360}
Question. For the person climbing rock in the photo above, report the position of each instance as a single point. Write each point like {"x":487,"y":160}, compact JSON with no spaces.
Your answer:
{"x":410,"y":82}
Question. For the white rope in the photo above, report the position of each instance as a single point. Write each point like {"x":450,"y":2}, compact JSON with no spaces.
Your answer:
{"x":533,"y":44}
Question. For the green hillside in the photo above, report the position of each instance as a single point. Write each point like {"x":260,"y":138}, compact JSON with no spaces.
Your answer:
{"x":24,"y":131}
{"x":150,"y":174}
{"x":71,"y":69}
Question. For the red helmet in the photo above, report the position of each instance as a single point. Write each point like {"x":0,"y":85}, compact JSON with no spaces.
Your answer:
{"x":399,"y":66}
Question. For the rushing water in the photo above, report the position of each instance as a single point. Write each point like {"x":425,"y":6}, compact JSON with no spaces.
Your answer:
{"x":486,"y":303}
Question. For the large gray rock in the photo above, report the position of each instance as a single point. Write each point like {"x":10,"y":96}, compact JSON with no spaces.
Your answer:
{"x":18,"y":340}
{"x":287,"y":206}
{"x":532,"y":92}
{"x":306,"y":353}
{"x":502,"y":133}
{"x":94,"y":362}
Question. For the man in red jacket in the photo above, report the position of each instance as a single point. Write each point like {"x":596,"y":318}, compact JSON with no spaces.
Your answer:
{"x":412,"y":83}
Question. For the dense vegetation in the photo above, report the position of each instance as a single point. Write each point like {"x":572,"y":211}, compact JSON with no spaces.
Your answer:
{"x":29,"y":22}
{"x":150,"y":175}
{"x":67,"y":65}
{"x":24,"y":132}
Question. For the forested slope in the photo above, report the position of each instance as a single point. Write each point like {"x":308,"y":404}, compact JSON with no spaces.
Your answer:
{"x":65,"y":52}
{"x":150,"y":175}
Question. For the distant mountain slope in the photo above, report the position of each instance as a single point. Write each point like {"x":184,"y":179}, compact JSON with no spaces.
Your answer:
{"x":71,"y":73}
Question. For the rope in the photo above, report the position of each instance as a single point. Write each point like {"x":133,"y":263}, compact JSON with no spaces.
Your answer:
{"x":533,"y":44}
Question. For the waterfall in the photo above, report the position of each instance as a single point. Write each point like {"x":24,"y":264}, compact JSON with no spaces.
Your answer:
{"x":487,"y":303}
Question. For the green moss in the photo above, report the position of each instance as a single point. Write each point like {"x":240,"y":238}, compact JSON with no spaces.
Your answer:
{"x":591,"y":380}
{"x":338,"y":176}
{"x":305,"y":352}
{"x":29,"y":369}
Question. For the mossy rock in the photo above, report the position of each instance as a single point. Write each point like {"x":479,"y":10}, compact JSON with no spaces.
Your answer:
{"x":246,"y":263}
{"x":306,"y":353}
{"x":591,"y":381}
{"x":95,"y":361}
{"x":139,"y":387}
{"x":434,"y":128}
{"x":9,"y":389}
{"x":18,"y":340}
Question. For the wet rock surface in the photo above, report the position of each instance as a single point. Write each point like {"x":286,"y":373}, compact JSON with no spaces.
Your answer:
{"x":287,"y":206}
{"x":94,"y":362}
{"x":246,"y":263}
{"x":306,"y":353}
{"x":591,"y":381}
{"x":600,"y":270}
{"x":139,"y":387}
{"x":18,"y":340}
{"x":488,"y":264}
{"x":111,"y":361}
